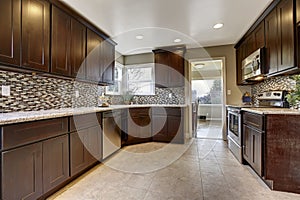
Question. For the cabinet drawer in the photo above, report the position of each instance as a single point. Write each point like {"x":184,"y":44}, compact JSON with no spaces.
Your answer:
{"x":162,"y":111}
{"x":174,"y":111}
{"x":24,"y":133}
{"x":136,"y":112}
{"x":79,"y":122}
{"x":254,"y":120}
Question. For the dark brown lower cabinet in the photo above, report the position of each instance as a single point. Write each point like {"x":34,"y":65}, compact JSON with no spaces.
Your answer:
{"x":85,"y":147}
{"x":167,"y":126}
{"x":252,"y":148}
{"x":31,"y":171}
{"x":22,"y":171}
{"x":138,"y":126}
{"x":55,"y":162}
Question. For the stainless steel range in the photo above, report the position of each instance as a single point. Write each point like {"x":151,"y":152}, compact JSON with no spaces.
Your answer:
{"x":234,"y":118}
{"x":235,"y":131}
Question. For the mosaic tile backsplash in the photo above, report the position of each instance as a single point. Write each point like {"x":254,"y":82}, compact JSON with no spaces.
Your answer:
{"x":35,"y":92}
{"x":271,"y":84}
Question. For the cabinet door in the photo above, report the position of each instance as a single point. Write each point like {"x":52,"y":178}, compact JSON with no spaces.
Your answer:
{"x":271,"y":29}
{"x":94,"y":144}
{"x":35,"y":34}
{"x":160,"y":128}
{"x":61,"y":38}
{"x":259,"y":36}
{"x":93,"y":63}
{"x":176,"y":72}
{"x":286,"y":51}
{"x":256,"y":156}
{"x":10,"y":34}
{"x":298,"y":11}
{"x":175,"y":129}
{"x":78,"y":49}
{"x":22,"y":173}
{"x":55,"y":162}
{"x":247,"y":143}
{"x":108,"y":58}
{"x":250,"y":44}
{"x":240,"y":56}
{"x":78,"y":154}
{"x":162,"y":63}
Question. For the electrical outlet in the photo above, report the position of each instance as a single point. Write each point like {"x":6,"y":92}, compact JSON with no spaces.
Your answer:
{"x":170,"y":95}
{"x":6,"y":90}
{"x":228,"y":92}
{"x":76,"y":93}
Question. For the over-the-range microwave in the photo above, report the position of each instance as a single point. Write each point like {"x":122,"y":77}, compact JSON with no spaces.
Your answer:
{"x":252,"y":66}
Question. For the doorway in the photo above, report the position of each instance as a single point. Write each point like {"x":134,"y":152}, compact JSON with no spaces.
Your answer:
{"x":207,"y":84}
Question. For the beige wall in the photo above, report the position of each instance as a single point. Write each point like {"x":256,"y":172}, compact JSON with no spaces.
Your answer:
{"x":139,"y":59}
{"x":119,"y":57}
{"x":228,"y":52}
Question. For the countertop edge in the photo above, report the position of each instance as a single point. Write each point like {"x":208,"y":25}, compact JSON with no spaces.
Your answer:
{"x":30,"y":116}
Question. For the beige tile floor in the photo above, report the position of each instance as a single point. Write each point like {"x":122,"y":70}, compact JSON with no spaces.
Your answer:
{"x":209,"y":129}
{"x":206,"y":170}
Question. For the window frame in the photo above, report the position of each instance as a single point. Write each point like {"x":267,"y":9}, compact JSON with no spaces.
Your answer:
{"x":151,"y":81}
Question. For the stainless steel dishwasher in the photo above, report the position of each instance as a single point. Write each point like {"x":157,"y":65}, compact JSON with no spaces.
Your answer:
{"x":111,"y":137}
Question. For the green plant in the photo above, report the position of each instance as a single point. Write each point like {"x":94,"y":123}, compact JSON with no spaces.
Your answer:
{"x":294,"y":96}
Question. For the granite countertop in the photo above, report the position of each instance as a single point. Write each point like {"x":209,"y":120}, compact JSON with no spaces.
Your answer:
{"x":273,"y":111}
{"x":17,"y":117}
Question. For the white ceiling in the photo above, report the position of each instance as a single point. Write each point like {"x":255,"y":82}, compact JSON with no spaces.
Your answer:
{"x":162,"y":21}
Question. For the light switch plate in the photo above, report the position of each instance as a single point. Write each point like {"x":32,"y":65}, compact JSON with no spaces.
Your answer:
{"x":5,"y":90}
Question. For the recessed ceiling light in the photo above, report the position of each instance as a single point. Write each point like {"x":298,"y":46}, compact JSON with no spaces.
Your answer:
{"x":139,"y":37}
{"x":218,"y":25}
{"x":177,"y":40}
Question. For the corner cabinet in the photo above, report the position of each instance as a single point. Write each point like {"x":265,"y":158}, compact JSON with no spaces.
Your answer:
{"x":169,"y":67}
{"x":138,"y":128}
{"x":10,"y":34}
{"x":167,"y":125}
{"x":280,"y":38}
{"x":35,"y":34}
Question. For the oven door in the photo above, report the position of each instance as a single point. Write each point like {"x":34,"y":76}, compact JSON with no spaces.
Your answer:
{"x":234,"y":126}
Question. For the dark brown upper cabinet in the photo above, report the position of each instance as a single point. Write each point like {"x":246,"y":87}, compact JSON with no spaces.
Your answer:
{"x":100,"y":60}
{"x":35,"y":34}
{"x":68,"y":49}
{"x":10,"y":34}
{"x":108,"y":57}
{"x":93,"y":62}
{"x":169,"y":67}
{"x":298,"y":11}
{"x":254,"y":41}
{"x":240,"y":56}
{"x":280,"y":40}
{"x":78,"y":49}
{"x":60,"y":43}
